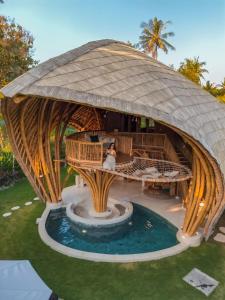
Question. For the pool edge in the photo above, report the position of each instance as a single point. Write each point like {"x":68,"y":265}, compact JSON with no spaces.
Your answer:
{"x":99,"y":257}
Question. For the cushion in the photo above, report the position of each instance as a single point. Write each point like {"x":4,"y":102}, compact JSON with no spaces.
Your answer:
{"x":153,"y":175}
{"x":94,"y":138}
{"x":151,"y":170}
{"x":171,"y":174}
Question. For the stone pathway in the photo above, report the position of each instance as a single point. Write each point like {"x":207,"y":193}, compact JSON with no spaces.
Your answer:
{"x":220,"y":237}
{"x":15,"y":208}
{"x":8,"y":214}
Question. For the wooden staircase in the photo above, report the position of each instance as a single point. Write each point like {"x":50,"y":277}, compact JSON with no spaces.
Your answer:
{"x":183,"y":160}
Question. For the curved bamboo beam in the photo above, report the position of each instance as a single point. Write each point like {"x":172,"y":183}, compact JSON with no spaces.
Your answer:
{"x":30,"y":124}
{"x":204,"y":209}
{"x":28,"y":119}
{"x":99,"y":183}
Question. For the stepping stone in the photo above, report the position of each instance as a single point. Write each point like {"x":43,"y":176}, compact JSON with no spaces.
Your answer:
{"x":201,"y":281}
{"x":219,"y":238}
{"x":28,"y":203}
{"x":36,"y":198}
{"x":5,"y":215}
{"x":38,"y":220}
{"x":222,"y":229}
{"x":15,"y":208}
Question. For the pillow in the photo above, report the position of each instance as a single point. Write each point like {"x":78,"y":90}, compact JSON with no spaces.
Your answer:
{"x":151,"y":170}
{"x":108,"y":140}
{"x":153,"y":175}
{"x":171,"y":174}
{"x":94,"y":138}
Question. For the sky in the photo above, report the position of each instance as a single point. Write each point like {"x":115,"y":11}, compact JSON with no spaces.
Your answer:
{"x":61,"y":25}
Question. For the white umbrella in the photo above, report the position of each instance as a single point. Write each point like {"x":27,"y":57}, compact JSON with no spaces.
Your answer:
{"x":19,"y":281}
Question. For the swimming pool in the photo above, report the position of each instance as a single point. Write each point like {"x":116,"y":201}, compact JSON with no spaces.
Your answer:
{"x":144,"y":232}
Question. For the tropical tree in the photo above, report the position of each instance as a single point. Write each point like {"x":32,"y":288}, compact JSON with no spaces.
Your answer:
{"x":222,"y":87}
{"x":136,"y":46}
{"x":193,"y":69}
{"x":211,"y":88}
{"x":154,"y":37}
{"x":221,"y":91}
{"x":16,"y":50}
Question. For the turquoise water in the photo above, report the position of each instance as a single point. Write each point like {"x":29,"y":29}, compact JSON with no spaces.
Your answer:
{"x":144,"y":232}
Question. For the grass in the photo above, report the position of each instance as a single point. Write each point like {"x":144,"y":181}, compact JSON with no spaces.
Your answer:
{"x":76,"y":279}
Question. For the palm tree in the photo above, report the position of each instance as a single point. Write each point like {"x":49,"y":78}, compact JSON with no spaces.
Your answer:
{"x":222,"y":86}
{"x":211,"y":88}
{"x":154,"y":37}
{"x":193,"y":69}
{"x":221,"y":90}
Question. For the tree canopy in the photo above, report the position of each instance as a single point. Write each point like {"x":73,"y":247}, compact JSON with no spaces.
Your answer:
{"x":211,"y":88}
{"x":154,"y":37}
{"x":16,"y":50}
{"x":193,"y":69}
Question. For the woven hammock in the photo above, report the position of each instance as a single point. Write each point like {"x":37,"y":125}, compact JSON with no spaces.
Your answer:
{"x":151,"y":170}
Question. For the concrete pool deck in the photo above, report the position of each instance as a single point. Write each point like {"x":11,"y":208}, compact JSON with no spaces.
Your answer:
{"x":168,"y":207}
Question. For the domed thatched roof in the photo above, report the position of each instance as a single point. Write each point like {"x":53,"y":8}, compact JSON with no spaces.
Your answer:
{"x":110,"y":74}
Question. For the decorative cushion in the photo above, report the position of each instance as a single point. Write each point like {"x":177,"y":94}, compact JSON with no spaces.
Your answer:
{"x":151,"y":170}
{"x":106,"y":139}
{"x":171,"y":174}
{"x":94,"y":138}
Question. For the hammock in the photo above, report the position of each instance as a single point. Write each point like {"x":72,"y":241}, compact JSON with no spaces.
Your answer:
{"x":150,"y":170}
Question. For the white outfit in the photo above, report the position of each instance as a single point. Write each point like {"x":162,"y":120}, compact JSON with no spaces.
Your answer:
{"x":109,"y":163}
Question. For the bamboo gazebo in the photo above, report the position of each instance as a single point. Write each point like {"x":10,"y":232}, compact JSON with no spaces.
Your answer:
{"x":106,"y":88}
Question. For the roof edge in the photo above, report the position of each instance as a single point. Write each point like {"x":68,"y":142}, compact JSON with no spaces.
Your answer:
{"x":29,"y":77}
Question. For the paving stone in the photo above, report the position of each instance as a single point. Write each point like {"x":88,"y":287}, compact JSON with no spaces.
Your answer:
{"x":219,"y":238}
{"x":15,"y":208}
{"x":6,"y":215}
{"x":222,"y":229}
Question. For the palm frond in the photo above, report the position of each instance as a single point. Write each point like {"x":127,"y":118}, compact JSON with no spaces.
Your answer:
{"x":154,"y":37}
{"x":167,"y":34}
{"x":171,"y":47}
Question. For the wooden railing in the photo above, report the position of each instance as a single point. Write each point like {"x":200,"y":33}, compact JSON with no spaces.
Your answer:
{"x":124,"y":144}
{"x":84,"y":152}
{"x":153,"y":143}
{"x":157,"y":145}
{"x":170,"y":151}
{"x":145,"y":139}
{"x":79,"y":150}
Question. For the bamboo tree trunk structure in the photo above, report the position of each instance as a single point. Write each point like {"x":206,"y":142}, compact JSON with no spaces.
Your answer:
{"x":35,"y":148}
{"x":99,"y":183}
{"x":38,"y":153}
{"x":205,"y":196}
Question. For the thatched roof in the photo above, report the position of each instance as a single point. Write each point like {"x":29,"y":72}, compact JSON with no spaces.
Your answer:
{"x":110,"y":74}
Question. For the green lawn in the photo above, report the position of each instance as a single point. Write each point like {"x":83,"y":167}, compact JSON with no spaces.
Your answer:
{"x":76,"y":279}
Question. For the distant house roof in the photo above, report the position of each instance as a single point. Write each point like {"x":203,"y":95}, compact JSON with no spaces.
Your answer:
{"x":112,"y":75}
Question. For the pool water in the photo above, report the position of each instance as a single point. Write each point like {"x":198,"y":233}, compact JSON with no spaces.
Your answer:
{"x":144,"y":232}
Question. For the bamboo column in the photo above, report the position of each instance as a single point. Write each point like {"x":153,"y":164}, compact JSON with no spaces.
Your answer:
{"x":205,"y":199}
{"x":30,"y":124}
{"x":99,"y":183}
